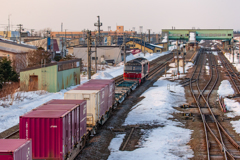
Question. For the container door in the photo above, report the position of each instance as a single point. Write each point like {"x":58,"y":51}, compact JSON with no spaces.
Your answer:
{"x":90,"y":115}
{"x":99,"y":104}
{"x":78,"y":124}
{"x":73,"y":127}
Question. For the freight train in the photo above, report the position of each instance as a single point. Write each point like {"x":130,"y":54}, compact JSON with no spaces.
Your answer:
{"x":136,"y":69}
{"x":60,"y":128}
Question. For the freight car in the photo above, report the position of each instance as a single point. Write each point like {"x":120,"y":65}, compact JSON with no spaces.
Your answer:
{"x":63,"y":127}
{"x":15,"y":149}
{"x":136,"y":69}
{"x":58,"y":128}
{"x":100,"y":99}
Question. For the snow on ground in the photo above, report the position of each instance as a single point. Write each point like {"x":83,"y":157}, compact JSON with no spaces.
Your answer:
{"x":215,"y":53}
{"x":233,"y":106}
{"x":112,"y":72}
{"x":225,"y":89}
{"x":236,"y":60}
{"x":156,"y":108}
{"x":9,"y":116}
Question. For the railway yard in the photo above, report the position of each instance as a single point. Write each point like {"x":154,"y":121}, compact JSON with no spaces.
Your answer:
{"x":167,"y":116}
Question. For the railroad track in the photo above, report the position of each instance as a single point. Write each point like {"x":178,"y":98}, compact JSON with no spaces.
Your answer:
{"x":155,"y":65}
{"x":13,"y":135}
{"x":232,"y":73}
{"x":212,"y":128}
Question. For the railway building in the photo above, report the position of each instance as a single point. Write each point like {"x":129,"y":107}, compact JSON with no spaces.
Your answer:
{"x":51,"y":77}
{"x":104,"y":54}
{"x":135,"y":43}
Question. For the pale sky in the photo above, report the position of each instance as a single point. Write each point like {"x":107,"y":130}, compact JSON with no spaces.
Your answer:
{"x":77,"y":15}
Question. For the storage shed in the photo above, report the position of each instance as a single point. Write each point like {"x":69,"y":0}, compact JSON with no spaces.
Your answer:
{"x":51,"y":77}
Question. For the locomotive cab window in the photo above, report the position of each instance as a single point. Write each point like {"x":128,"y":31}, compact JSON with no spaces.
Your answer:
{"x":137,"y":68}
{"x":128,"y":68}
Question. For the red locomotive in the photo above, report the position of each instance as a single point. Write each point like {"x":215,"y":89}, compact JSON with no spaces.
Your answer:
{"x":136,"y":69}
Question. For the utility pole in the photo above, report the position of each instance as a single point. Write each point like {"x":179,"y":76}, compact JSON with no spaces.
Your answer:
{"x":95,"y":54}
{"x":144,"y":43}
{"x":32,"y":30}
{"x":65,"y":42}
{"x":178,"y":50}
{"x":149,"y":35}
{"x":141,"y":41}
{"x":124,"y":53}
{"x":233,"y":48}
{"x":184,"y":52}
{"x":8,"y":25}
{"x":20,"y":31}
{"x":98,"y":24}
{"x":89,"y":53}
{"x":61,"y":27}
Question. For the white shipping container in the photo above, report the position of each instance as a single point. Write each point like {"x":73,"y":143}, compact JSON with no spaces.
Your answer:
{"x":93,"y":103}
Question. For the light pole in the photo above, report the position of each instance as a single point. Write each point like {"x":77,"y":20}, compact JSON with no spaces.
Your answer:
{"x":184,"y":53}
{"x":9,"y":29}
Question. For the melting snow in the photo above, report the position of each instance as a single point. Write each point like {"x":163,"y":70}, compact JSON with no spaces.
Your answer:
{"x":167,"y":142}
{"x":233,"y":106}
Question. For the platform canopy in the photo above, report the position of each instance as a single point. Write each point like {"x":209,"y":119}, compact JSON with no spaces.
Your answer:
{"x":197,"y":34}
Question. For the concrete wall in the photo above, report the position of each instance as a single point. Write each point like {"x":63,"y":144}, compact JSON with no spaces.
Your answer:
{"x":106,"y":52}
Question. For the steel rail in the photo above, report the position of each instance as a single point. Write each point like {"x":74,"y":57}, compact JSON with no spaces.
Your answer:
{"x":10,"y":135}
{"x":152,"y":66}
{"x":198,"y":105}
{"x":197,"y":100}
{"x":206,"y":101}
{"x":230,"y":75}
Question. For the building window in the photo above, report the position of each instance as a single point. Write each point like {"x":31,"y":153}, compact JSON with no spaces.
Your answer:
{"x":229,"y":34}
{"x":93,"y":58}
{"x":223,"y":34}
{"x":158,"y":50}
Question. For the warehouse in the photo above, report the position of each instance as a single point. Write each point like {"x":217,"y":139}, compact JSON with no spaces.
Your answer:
{"x":147,"y":47}
{"x":104,"y":53}
{"x":52,"y":77}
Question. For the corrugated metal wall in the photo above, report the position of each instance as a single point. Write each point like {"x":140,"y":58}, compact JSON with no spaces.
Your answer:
{"x":67,"y":78}
{"x":47,"y":78}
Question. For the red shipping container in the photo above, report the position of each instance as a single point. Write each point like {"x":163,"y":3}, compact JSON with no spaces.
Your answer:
{"x":111,"y":84}
{"x":74,"y":118}
{"x":81,"y":119}
{"x":50,"y":132}
{"x":15,"y":149}
{"x":103,"y":88}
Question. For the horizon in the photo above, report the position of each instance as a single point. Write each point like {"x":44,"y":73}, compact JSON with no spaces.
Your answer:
{"x":154,"y":14}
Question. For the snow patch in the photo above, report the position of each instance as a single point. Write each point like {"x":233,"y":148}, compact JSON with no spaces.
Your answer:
{"x":225,"y":89}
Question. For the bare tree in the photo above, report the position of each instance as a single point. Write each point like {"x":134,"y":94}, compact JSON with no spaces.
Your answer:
{"x":19,"y":61}
{"x":34,"y":57}
{"x":44,"y":32}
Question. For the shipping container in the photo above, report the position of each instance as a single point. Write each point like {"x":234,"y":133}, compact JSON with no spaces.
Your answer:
{"x":103,"y":88}
{"x":111,"y":93}
{"x":15,"y":149}
{"x":83,"y":113}
{"x":50,"y":132}
{"x":76,"y":110}
{"x":93,"y":103}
